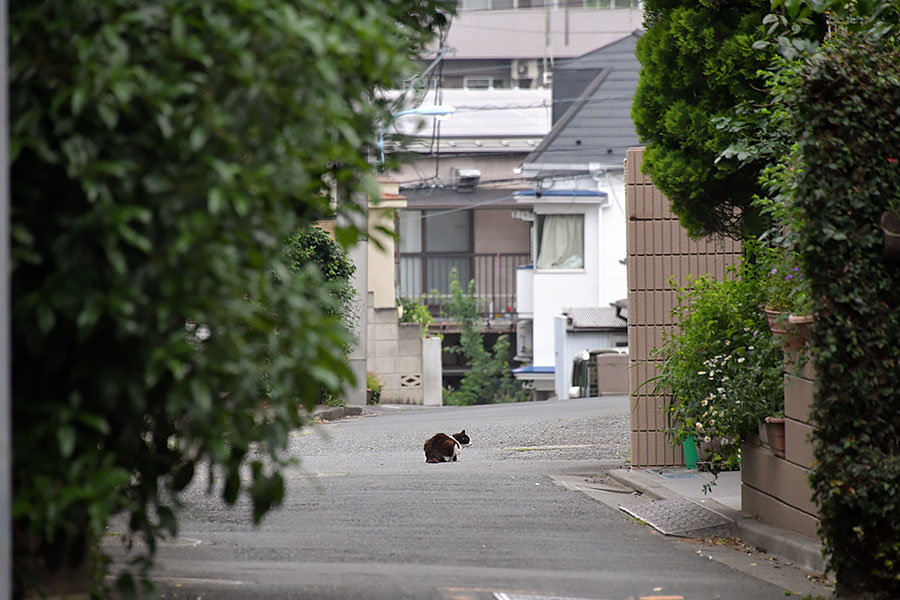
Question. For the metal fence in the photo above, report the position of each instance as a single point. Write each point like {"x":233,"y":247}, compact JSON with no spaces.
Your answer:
{"x":425,"y":277}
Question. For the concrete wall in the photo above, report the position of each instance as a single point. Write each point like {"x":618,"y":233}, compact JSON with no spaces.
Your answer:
{"x":775,"y":488}
{"x":658,"y":248}
{"x":381,"y":259}
{"x":407,"y":365}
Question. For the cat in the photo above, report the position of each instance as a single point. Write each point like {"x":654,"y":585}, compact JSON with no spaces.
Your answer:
{"x":444,"y":448}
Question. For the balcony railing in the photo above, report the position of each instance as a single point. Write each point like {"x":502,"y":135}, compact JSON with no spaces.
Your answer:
{"x":425,"y":277}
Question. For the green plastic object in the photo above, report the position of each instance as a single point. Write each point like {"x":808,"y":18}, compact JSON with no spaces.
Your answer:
{"x":690,"y":452}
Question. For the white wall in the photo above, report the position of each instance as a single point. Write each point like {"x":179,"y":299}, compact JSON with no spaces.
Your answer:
{"x":558,"y":289}
{"x":613,"y":275}
{"x":604,"y":279}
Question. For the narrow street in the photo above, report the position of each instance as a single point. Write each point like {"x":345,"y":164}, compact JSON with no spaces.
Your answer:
{"x":366,"y":518}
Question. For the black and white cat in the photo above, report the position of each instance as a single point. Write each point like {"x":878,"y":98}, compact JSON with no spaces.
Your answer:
{"x":444,"y":448}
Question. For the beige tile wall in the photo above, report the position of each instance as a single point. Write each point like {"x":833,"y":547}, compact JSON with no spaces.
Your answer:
{"x":658,"y":250}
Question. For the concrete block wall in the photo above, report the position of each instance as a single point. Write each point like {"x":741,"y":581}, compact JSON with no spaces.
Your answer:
{"x":776,"y":489}
{"x":395,"y":355}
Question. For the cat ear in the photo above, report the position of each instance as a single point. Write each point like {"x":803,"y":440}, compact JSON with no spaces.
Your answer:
{"x":463,"y":431}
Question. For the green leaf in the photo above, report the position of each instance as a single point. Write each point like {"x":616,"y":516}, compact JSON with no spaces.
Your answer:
{"x":216,"y":201}
{"x":65,"y":437}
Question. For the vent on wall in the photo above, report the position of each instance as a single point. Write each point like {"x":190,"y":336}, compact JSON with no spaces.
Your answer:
{"x":465,"y":180}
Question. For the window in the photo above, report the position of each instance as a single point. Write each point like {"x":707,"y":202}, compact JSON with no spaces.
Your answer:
{"x":560,"y":242}
{"x":432,"y":243}
{"x":487,"y":83}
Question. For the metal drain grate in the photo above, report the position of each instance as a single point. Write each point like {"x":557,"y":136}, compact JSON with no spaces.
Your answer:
{"x":679,"y":516}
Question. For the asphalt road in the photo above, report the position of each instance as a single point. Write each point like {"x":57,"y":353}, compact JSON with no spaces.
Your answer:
{"x":366,"y":518}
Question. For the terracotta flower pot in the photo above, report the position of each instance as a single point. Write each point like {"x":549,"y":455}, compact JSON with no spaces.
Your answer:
{"x":792,"y":331}
{"x":890,"y":229}
{"x":775,"y":435}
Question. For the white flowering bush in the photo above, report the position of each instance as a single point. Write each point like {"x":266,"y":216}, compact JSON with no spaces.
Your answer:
{"x":721,"y":365}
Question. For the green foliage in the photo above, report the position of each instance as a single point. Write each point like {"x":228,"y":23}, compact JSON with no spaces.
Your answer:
{"x":161,"y":153}
{"x":848,"y":127}
{"x":313,"y":246}
{"x":697,"y":64}
{"x":415,"y":312}
{"x":489,"y":378}
{"x":787,"y":288}
{"x":373,"y":383}
{"x":721,"y":365}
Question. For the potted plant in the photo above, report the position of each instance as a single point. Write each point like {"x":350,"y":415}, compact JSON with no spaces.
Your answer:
{"x":774,"y":429}
{"x":890,"y":230}
{"x":788,"y":306}
{"x":722,"y":366}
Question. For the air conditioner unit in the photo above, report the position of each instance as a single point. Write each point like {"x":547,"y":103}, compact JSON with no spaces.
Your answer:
{"x":524,"y":68}
{"x":465,"y":180}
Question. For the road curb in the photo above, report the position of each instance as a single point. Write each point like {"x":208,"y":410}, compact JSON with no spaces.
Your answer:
{"x":332,"y":413}
{"x":798,"y":549}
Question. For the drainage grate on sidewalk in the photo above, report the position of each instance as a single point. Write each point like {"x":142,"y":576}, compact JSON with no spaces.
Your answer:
{"x":682,"y":517}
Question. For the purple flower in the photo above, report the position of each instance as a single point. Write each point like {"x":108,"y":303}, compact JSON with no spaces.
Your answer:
{"x":773,"y":271}
{"x":796,"y":269}
{"x":788,"y":277}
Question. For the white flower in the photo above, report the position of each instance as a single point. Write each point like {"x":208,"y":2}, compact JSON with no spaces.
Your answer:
{"x":706,"y":439}
{"x":740,"y":360}
{"x":699,"y":425}
{"x":749,"y":347}
{"x":721,"y":390}
{"x":704,"y":402}
{"x":701,"y":372}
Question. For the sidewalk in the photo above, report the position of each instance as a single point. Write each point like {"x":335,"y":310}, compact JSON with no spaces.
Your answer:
{"x":724,"y":499}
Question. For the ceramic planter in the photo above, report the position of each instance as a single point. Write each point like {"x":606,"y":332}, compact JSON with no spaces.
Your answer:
{"x":890,"y":230}
{"x":792,"y":331}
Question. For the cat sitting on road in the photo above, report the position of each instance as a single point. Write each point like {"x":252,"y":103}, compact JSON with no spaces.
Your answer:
{"x":444,"y":448}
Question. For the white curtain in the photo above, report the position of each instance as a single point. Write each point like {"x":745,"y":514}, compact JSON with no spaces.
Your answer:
{"x":562,"y":242}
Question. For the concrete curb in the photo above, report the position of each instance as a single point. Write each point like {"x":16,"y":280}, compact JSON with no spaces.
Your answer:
{"x":332,"y":413}
{"x":798,"y":549}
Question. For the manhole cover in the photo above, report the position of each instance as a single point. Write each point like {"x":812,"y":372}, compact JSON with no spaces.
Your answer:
{"x":678,"y":516}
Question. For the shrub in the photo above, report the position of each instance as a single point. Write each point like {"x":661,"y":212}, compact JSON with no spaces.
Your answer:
{"x":489,"y":378}
{"x":849,"y":132}
{"x":373,"y":384}
{"x":415,"y":312}
{"x":721,"y":364}
{"x":160,"y":154}
{"x":697,"y":63}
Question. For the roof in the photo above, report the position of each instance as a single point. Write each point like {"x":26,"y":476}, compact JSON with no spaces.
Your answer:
{"x":442,"y":198}
{"x":534,"y":369}
{"x":513,"y":119}
{"x":594,"y":317}
{"x":596,"y":128}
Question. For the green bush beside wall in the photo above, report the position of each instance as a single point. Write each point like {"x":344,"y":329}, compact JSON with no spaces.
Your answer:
{"x":848,"y":114}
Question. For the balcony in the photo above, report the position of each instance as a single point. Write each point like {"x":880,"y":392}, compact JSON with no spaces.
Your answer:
{"x":426,"y":278}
